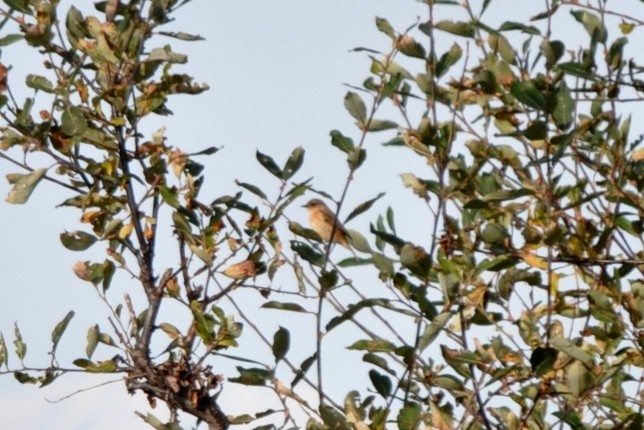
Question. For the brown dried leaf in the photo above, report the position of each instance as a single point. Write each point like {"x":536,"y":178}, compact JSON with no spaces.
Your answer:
{"x":4,"y":72}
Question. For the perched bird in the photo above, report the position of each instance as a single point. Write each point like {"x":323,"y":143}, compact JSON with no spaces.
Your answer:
{"x":322,"y":218}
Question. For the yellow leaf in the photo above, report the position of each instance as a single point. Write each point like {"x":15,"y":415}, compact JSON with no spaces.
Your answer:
{"x":125,"y":231}
{"x":477,"y":296}
{"x":626,"y":27}
{"x":554,"y":284}
{"x":534,"y":261}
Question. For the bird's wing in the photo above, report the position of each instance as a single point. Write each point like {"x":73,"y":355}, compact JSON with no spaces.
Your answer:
{"x":329,"y":219}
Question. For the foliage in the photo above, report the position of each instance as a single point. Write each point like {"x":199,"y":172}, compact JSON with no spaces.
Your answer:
{"x":522,"y":307}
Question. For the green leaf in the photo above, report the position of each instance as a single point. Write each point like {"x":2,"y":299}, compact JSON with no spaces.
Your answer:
{"x":39,"y":83}
{"x":498,"y":43}
{"x":631,"y":227}
{"x":389,"y":238}
{"x":158,"y":424}
{"x":615,"y":53}
{"x":542,"y":360}
{"x":496,"y":265}
{"x":494,"y":233}
{"x":408,"y":46}
{"x":390,"y":219}
{"x":564,"y":108}
{"x":304,"y":367}
{"x":92,"y":340}
{"x":363,"y":207}
{"x":576,"y":69}
{"x":380,"y":125}
{"x":328,"y":280}
{"x":253,"y":189}
{"x":293,"y":307}
{"x":528,"y":94}
{"x":180,"y":35}
{"x":4,"y":355}
{"x":379,"y":361}
{"x":343,"y":143}
{"x":537,"y":130}
{"x":448,"y":59}
{"x":181,"y":224}
{"x":293,"y":163}
{"x":459,"y":28}
{"x":356,"y":157}
{"x":579,"y":378}
{"x":297,"y":228}
{"x":382,"y":383}
{"x":23,"y":185}
{"x":208,"y":151}
{"x":269,"y":164}
{"x":106,"y":339}
{"x":552,"y":50}
{"x":204,"y":323}
{"x":165,"y":54}
{"x":528,"y":29}
{"x":21,"y":347}
{"x":416,"y":259}
{"x":73,"y":122}
{"x":503,"y":195}
{"x":409,"y":416}
{"x":383,"y":25}
{"x":281,"y":343}
{"x":60,"y":329}
{"x":24,"y":378}
{"x":107,"y":366}
{"x":77,"y":240}
{"x":109,"y":268}
{"x":19,"y":5}
{"x":252,"y":376}
{"x":23,"y":117}
{"x":10,"y":38}
{"x":373,"y":345}
{"x":172,"y":332}
{"x":384,"y":264}
{"x":76,"y":28}
{"x":352,"y":310}
{"x":592,"y":23}
{"x":358,"y":242}
{"x":486,"y":3}
{"x":332,"y":419}
{"x":572,"y":418}
{"x":448,"y":382}
{"x":568,"y":347}
{"x":307,"y":253}
{"x":169,"y":196}
{"x":433,"y":330}
{"x":356,"y":107}
{"x":243,"y":419}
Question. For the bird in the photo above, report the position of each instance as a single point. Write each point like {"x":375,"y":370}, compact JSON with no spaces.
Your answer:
{"x":321,"y":219}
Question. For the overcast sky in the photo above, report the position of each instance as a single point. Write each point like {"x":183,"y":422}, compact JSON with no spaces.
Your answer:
{"x":276,"y":71}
